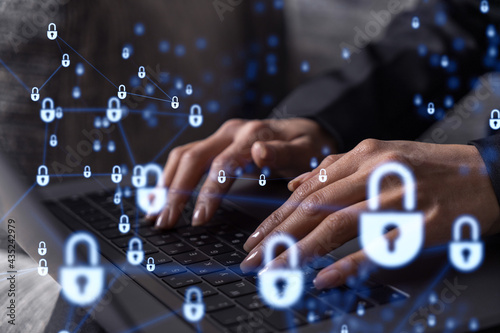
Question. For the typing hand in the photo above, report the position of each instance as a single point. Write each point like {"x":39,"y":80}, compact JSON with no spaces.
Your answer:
{"x":285,"y":145}
{"x":451,"y":180}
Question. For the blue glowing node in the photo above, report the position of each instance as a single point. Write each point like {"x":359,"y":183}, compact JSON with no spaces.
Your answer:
{"x":346,"y":54}
{"x":415,"y":22}
{"x":164,"y":46}
{"x":278,"y":4}
{"x":422,"y":50}
{"x":314,"y":162}
{"x":79,"y":69}
{"x":180,"y":50}
{"x":304,"y":67}
{"x":213,"y":106}
{"x":259,"y":7}
{"x":201,"y":43}
{"x":273,"y":41}
{"x":139,"y":29}
{"x":77,"y":93}
{"x":417,"y":100}
{"x":484,"y":7}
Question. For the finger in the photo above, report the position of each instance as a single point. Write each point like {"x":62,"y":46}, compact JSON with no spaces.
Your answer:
{"x":212,"y":191}
{"x":282,"y":155}
{"x":311,"y":212}
{"x":294,"y":184}
{"x":335,"y":172}
{"x":339,"y":272}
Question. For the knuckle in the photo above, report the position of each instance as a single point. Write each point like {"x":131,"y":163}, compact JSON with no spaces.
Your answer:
{"x":303,"y":191}
{"x":175,"y":153}
{"x":232,"y":123}
{"x":190,"y":156}
{"x":368,"y":146}
{"x":329,"y":160}
{"x":393,"y":155}
{"x":337,"y":223}
{"x":312,"y":204}
{"x":254,"y":126}
{"x":274,"y":219}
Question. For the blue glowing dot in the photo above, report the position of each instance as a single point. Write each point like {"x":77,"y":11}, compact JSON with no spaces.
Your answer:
{"x":422,"y":50}
{"x":97,"y":122}
{"x":164,"y":46}
{"x":164,"y":77}
{"x":79,"y":69}
{"x":272,"y":69}
{"x":127,"y":192}
{"x":259,"y":7}
{"x":271,"y":58}
{"x":213,"y":106}
{"x":314,"y":163}
{"x":77,"y":93}
{"x":458,"y":44}
{"x":304,"y":67}
{"x":346,"y":54}
{"x":208,"y":77}
{"x":201,"y":43}
{"x":180,"y":50}
{"x":473,"y":324}
{"x":267,"y":100}
{"x":139,"y":29}
{"x":111,"y":146}
{"x":415,"y":22}
{"x":484,"y":6}
{"x":450,"y":323}
{"x":490,"y":31}
{"x":278,"y":4}
{"x":150,"y":89}
{"x":453,"y":83}
{"x":492,"y":51}
{"x":440,"y":18}
{"x":134,"y":81}
{"x":325,"y":150}
{"x":238,"y":172}
{"x":266,"y":171}
{"x":434,"y":60}
{"x":448,"y":101}
{"x":444,"y":61}
{"x":417,"y":100}
{"x":178,"y":84}
{"x":432,"y":298}
{"x":273,"y":41}
{"x":105,"y":122}
{"x":431,"y":320}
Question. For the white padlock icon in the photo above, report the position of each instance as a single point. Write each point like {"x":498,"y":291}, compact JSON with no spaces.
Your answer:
{"x":150,"y":266}
{"x":122,"y":92}
{"x":344,"y":329}
{"x":189,"y":89}
{"x":47,"y":112}
{"x":175,"y":102}
{"x":135,"y":256}
{"x":262,"y":180}
{"x":195,"y":116}
{"x":83,"y":284}
{"x":117,"y":199}
{"x":270,"y":292}
{"x":116,"y":176}
{"x":138,"y":176}
{"x":43,"y":269}
{"x":152,"y":199}
{"x":35,"y":94}
{"x":53,"y":140}
{"x":466,"y":255}
{"x":42,"y":177}
{"x":114,"y":110}
{"x":374,"y":224}
{"x":124,"y":224}
{"x":193,"y":309}
{"x":222,"y":176}
{"x":430,"y":108}
{"x":142,"y":72}
{"x":52,"y":31}
{"x":322,"y":175}
{"x":65,"y":60}
{"x":42,"y":248}
{"x":86,"y":172}
{"x":495,"y":121}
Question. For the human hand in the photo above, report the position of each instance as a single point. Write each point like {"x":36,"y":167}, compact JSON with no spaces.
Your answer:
{"x":285,"y":145}
{"x":451,"y":180}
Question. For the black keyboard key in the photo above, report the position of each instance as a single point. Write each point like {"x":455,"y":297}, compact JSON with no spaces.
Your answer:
{"x":176,"y":248}
{"x":253,"y":325}
{"x":192,"y":257}
{"x":163,"y":239}
{"x":231,"y":316}
{"x":252,"y":279}
{"x":309,"y":274}
{"x":216,"y":249}
{"x":345,"y":301}
{"x":383,"y":295}
{"x":186,"y":232}
{"x":149,"y":231}
{"x":315,"y":310}
{"x":205,"y":267}
{"x":182,"y":280}
{"x":168,"y":269}
{"x":221,"y":278}
{"x":229,"y":259}
{"x":123,"y":242}
{"x":206,"y":290}
{"x":105,"y":224}
{"x":237,"y":270}
{"x":94,"y":219}
{"x":237,"y":289}
{"x":251,"y":302}
{"x":159,"y":259}
{"x":201,"y":240}
{"x":321,"y":263}
{"x":114,"y":233}
{"x":146,"y":248}
{"x":217,"y":302}
{"x":281,"y":320}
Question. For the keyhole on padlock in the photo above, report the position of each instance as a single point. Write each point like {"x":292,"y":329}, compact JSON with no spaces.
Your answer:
{"x":466,"y":254}
{"x":391,"y":242}
{"x":280,"y":286}
{"x":82,"y":282}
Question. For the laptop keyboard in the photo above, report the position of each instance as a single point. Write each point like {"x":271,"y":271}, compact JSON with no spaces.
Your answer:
{"x":209,"y":258}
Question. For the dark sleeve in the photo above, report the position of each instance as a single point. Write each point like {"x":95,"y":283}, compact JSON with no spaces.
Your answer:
{"x":489,"y":148}
{"x":372,"y":96}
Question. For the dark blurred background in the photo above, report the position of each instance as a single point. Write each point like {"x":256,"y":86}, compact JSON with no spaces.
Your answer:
{"x":241,"y":61}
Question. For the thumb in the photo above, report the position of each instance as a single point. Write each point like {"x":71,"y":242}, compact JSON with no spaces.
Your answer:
{"x":283,"y":155}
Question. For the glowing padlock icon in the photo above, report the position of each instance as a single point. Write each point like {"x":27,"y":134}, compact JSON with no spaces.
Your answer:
{"x":193,"y":307}
{"x":495,"y":119}
{"x":293,"y":278}
{"x":47,"y":112}
{"x":53,"y":140}
{"x":138,"y":176}
{"x":42,"y":177}
{"x":35,"y":94}
{"x":65,"y":60}
{"x":142,"y":72}
{"x":466,"y":255}
{"x":124,"y":224}
{"x":189,"y":90}
{"x":114,"y":110}
{"x":59,"y":112}
{"x":122,"y":93}
{"x":135,"y":256}
{"x":430,"y":108}
{"x":42,"y":248}
{"x":195,"y":116}
{"x":117,"y":199}
{"x":150,"y":266}
{"x":43,"y":269}
{"x":116,"y":176}
{"x":52,"y":31}
{"x":344,"y":329}
{"x":87,"y":173}
{"x":322,"y":175}
{"x":222,"y":177}
{"x":82,"y":284}
{"x":175,"y":102}
{"x":374,"y":224}
{"x":152,"y":199}
{"x":484,"y":6}
{"x":262,"y":180}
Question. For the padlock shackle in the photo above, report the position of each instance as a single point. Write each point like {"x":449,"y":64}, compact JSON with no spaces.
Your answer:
{"x":124,"y":217}
{"x":142,"y":69}
{"x":119,"y":170}
{"x":322,"y":172}
{"x":459,"y":223}
{"x":40,"y":244}
{"x":40,"y":263}
{"x":286,"y":240}
{"x":116,"y":100}
{"x":151,"y":260}
{"x":120,"y":88}
{"x":223,"y":173}
{"x":52,"y":24}
{"x":195,"y":107}
{"x":175,"y":99}
{"x":157,"y":170}
{"x":33,"y":90}
{"x":79,"y":237}
{"x":65,"y":56}
{"x":138,"y":170}
{"x":44,"y":168}
{"x":131,"y":243}
{"x":47,"y":100}
{"x":191,"y":291}
{"x":262,"y":176}
{"x":493,"y":112}
{"x":409,"y":200}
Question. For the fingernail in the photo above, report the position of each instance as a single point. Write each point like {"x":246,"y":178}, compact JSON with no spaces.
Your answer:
{"x":252,"y":241}
{"x":292,"y":185}
{"x":327,"y":279}
{"x":160,"y":219}
{"x":263,"y":270}
{"x":261,"y":150}
{"x":199,"y":216}
{"x":251,"y":262}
